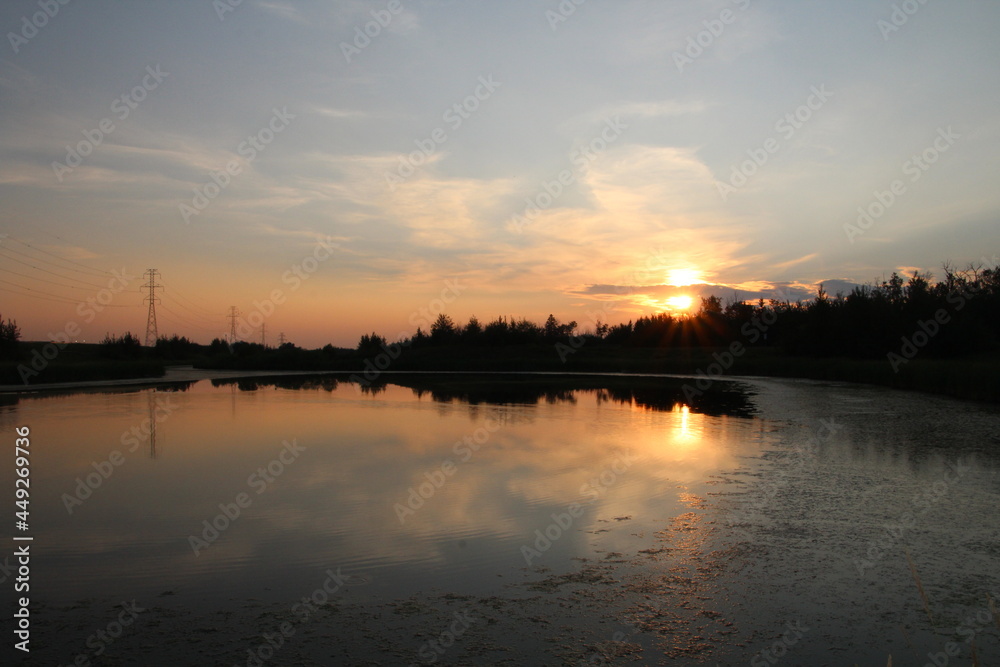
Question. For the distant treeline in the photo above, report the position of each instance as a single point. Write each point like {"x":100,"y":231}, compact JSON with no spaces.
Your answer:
{"x":897,"y":318}
{"x":958,"y":315}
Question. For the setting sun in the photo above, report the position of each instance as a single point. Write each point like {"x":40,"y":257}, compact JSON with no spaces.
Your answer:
{"x":684,"y":277}
{"x":680,"y":302}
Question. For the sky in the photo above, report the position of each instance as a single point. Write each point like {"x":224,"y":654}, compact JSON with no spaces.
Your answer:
{"x":336,"y":168}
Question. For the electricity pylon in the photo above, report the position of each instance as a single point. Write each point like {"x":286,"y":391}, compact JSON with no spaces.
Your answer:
{"x":234,"y":313}
{"x":151,"y":333}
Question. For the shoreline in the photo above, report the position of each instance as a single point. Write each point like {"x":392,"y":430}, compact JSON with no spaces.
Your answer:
{"x":974,"y":377}
{"x":190,"y":374}
{"x":173,"y":375}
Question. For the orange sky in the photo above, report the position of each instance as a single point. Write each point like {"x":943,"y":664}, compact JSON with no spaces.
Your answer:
{"x":581,"y":173}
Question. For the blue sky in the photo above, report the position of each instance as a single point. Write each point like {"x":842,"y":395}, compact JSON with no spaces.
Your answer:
{"x":642,"y":109}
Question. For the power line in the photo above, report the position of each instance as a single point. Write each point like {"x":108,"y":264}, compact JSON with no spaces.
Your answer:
{"x":50,"y":272}
{"x":197,"y":312}
{"x":193,"y":306}
{"x":55,"y":297}
{"x":192,"y":314}
{"x":51,"y":282}
{"x":186,"y":321}
{"x":60,"y":300}
{"x":88,"y":269}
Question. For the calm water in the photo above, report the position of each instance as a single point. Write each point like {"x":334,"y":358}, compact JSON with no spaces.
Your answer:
{"x":570,"y":521}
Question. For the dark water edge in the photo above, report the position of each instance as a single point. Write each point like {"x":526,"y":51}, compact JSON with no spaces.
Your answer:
{"x":974,"y":378}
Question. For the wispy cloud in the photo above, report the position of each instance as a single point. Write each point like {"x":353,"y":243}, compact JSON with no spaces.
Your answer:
{"x":333,"y":112}
{"x":284,"y":10}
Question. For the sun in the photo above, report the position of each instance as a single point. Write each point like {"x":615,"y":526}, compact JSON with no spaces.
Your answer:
{"x":680,"y":302}
{"x":683,"y":277}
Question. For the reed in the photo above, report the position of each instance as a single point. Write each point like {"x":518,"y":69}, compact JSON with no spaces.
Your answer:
{"x":920,"y":586}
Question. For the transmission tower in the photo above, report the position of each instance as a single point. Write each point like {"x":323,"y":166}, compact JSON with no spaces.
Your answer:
{"x":281,"y":338}
{"x":263,"y":336}
{"x":151,"y":332}
{"x":234,"y":313}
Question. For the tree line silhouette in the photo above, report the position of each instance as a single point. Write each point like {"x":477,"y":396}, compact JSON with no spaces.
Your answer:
{"x":957,"y":315}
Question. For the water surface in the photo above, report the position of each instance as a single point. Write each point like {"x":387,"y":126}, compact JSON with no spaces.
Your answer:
{"x":596,"y":516}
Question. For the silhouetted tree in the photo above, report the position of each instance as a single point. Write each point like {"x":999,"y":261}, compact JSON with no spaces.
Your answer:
{"x":371,"y":344}
{"x":496,"y":332}
{"x":869,"y":322}
{"x":553,"y":330}
{"x":472,"y":333}
{"x":175,"y":347}
{"x":419,"y":338}
{"x":126,"y":346}
{"x":710,"y":304}
{"x":10,"y":334}
{"x":443,"y":330}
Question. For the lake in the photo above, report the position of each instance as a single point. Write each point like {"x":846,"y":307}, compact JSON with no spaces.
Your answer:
{"x":529,"y":519}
